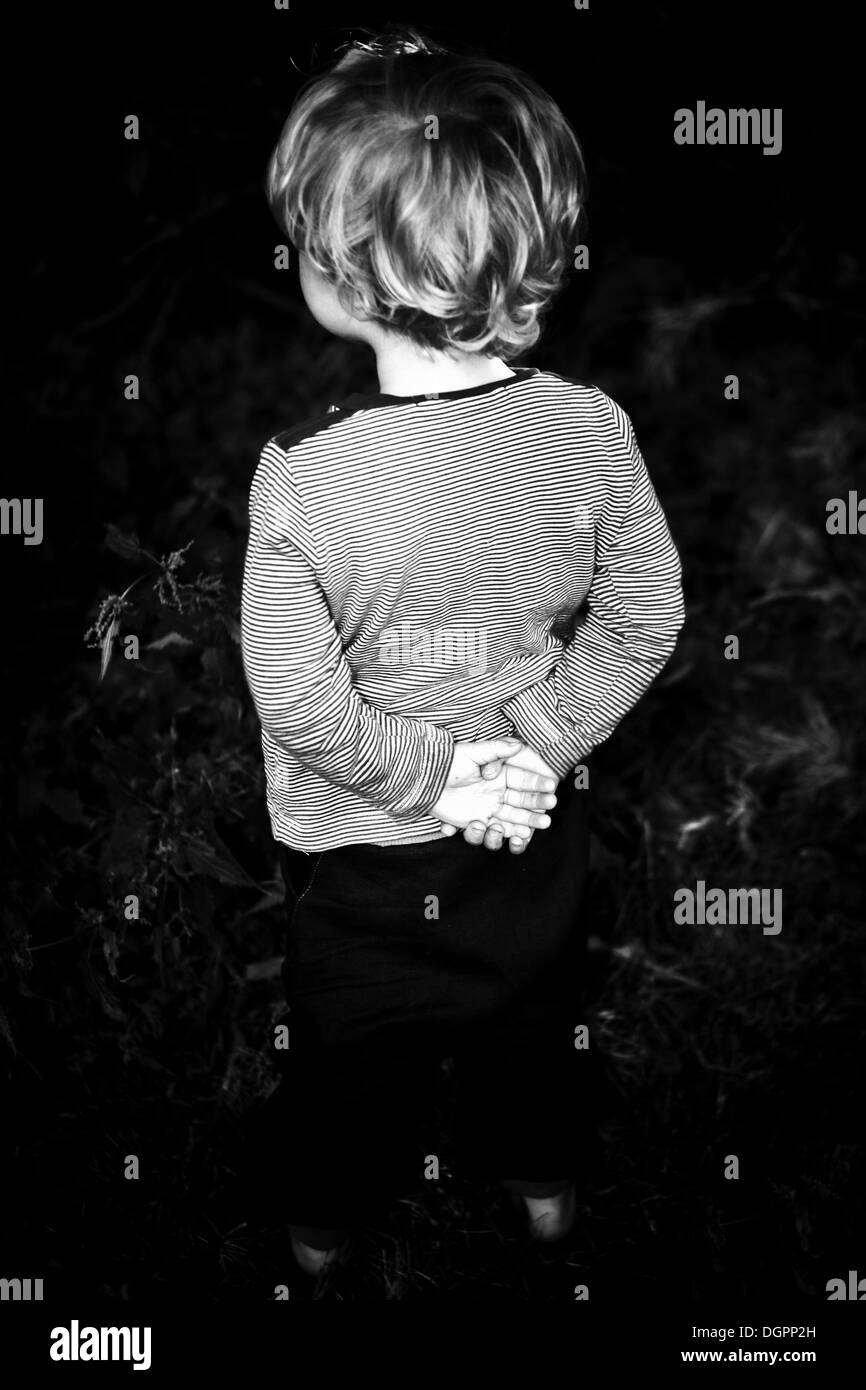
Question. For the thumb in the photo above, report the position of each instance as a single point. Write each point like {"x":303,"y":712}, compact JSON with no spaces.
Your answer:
{"x":489,"y":749}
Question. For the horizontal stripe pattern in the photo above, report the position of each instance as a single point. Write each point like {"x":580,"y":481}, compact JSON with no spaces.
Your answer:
{"x":426,"y":570}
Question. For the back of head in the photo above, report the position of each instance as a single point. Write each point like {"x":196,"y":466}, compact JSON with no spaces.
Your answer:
{"x":439,"y":192}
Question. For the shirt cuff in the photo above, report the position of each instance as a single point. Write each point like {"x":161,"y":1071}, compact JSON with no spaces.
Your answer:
{"x":438,"y":751}
{"x":558,"y":744}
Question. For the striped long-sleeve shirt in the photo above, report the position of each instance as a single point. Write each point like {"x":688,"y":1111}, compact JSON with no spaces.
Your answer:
{"x":424,"y":570}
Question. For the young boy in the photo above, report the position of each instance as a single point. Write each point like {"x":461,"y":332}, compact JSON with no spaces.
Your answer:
{"x":412,"y":638}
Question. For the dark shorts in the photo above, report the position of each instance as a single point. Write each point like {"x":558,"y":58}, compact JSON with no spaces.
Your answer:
{"x":399,"y":957}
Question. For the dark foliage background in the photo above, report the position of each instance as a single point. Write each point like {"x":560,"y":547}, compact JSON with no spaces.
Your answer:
{"x":151,"y":1037}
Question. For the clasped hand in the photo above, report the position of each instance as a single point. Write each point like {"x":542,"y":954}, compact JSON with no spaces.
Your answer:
{"x":497,"y":788}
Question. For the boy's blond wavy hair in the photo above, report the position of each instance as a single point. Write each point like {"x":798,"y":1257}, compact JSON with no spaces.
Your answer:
{"x":456,"y":242}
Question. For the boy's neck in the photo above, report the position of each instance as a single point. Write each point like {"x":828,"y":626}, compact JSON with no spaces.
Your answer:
{"x":404,"y":370}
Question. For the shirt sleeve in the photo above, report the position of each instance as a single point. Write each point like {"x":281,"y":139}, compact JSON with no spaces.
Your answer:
{"x":296,"y":668}
{"x":634,"y":613}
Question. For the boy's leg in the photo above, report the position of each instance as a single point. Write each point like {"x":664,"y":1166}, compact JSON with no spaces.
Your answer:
{"x":340,"y":1138}
{"x":522,"y":1086}
{"x":522,"y":1092}
{"x":519,"y":1115}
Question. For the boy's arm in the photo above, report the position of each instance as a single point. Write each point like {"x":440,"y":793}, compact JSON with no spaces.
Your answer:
{"x":300,"y":680}
{"x":635,"y":611}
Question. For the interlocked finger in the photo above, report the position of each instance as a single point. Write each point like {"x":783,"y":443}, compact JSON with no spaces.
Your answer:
{"x":528,"y":800}
{"x":492,"y":833}
{"x":521,"y":779}
{"x":518,"y":815}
